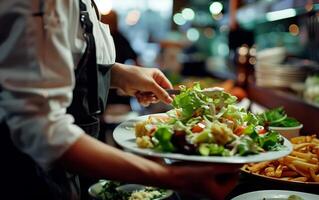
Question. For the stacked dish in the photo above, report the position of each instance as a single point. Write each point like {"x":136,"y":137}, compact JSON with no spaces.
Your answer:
{"x":278,"y":75}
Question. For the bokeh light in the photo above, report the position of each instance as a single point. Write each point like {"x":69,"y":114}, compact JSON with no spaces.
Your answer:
{"x":133,"y":17}
{"x":179,"y":19}
{"x":188,"y":14}
{"x":192,"y":34}
{"x":215,"y":8}
{"x":294,"y":29}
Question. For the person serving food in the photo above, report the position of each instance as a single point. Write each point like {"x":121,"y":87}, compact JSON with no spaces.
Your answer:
{"x":57,"y":62}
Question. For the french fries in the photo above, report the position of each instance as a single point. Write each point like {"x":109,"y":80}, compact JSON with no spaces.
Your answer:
{"x":302,"y":165}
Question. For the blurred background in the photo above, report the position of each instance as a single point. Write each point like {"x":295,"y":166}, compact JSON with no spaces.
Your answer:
{"x":265,"y":52}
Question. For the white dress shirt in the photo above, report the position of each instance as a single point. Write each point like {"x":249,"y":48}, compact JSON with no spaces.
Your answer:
{"x":38,"y":55}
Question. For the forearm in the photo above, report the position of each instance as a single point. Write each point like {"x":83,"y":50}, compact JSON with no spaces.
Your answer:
{"x":117,"y":71}
{"x":93,"y":158}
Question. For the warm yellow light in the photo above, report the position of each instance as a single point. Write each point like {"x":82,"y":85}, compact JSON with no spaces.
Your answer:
{"x":243,"y":50}
{"x":252,"y":51}
{"x":252,"y":60}
{"x":133,"y":17}
{"x":104,"y":6}
{"x":309,"y":6}
{"x":294,"y":29}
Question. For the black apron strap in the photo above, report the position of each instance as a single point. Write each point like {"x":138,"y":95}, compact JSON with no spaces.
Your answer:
{"x":85,"y":106}
{"x":88,"y":61}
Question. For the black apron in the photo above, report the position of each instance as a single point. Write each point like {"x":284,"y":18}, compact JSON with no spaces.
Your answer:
{"x":21,"y":177}
{"x":90,"y":92}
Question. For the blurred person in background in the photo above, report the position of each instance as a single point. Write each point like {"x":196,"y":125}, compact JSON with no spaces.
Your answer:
{"x":49,"y":49}
{"x":237,"y":36}
{"x":124,"y":54}
{"x":169,"y":59}
{"x":123,"y":48}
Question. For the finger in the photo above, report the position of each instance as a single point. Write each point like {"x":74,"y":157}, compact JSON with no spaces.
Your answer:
{"x":143,"y":103}
{"x":154,"y":99}
{"x":145,"y":100}
{"x":162,"y":80}
{"x":160,"y":93}
{"x":148,"y":100}
{"x":145,"y":94}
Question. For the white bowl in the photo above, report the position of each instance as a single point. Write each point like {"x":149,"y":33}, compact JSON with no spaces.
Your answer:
{"x":288,"y":132}
{"x":272,"y":55}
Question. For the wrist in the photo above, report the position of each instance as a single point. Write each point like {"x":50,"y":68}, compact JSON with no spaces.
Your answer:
{"x":170,"y":178}
{"x":116,"y":71}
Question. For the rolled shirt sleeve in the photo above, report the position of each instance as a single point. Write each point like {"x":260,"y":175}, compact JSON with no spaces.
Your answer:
{"x":38,"y":55}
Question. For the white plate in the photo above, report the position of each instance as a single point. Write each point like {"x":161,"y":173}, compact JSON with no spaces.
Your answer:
{"x":124,"y":135}
{"x":96,"y":188}
{"x":274,"y":195}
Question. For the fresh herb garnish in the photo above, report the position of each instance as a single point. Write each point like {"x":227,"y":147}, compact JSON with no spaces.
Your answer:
{"x":276,"y":117}
{"x":110,"y":191}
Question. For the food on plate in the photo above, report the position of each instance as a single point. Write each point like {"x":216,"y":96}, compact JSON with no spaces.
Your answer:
{"x":301,"y":165}
{"x":206,"y":125}
{"x":228,"y":85}
{"x":277,"y":117}
{"x":149,"y":193}
{"x":291,"y":197}
{"x":112,"y":190}
{"x":294,"y":197}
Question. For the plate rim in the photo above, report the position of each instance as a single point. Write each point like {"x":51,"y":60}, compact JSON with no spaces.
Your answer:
{"x":245,"y":195}
{"x":193,"y":158}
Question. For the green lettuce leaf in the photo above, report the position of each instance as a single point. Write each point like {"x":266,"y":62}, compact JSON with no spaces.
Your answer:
{"x":163,"y":134}
{"x":272,"y":140}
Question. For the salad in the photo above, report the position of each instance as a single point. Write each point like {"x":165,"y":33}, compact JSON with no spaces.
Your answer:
{"x":207,"y":125}
{"x":277,"y":117}
{"x":111,"y":190}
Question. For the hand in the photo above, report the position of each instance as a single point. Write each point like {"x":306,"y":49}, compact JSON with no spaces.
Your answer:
{"x":91,"y":157}
{"x":213,"y":181}
{"x":147,"y":84}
